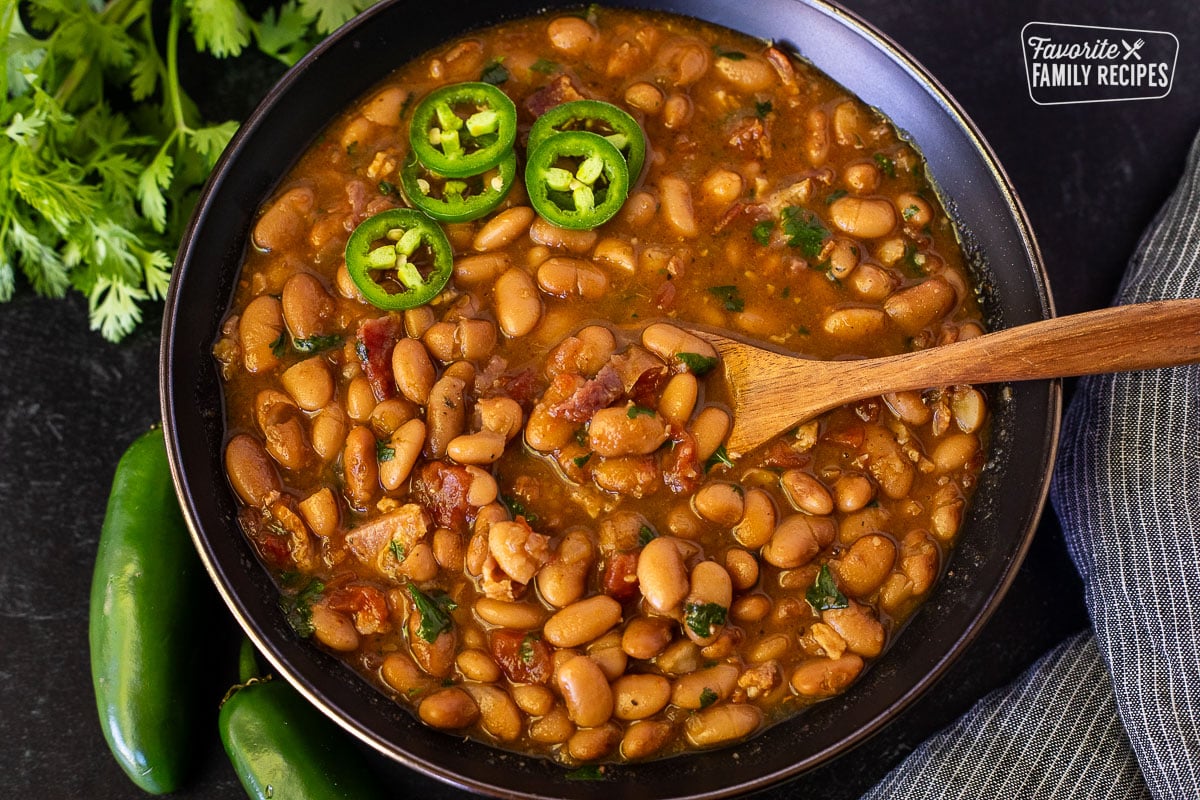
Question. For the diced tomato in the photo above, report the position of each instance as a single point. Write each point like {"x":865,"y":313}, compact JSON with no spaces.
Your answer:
{"x":376,"y":340}
{"x":522,"y":656}
{"x":442,"y":489}
{"x":620,"y":576}
{"x":366,"y":603}
{"x":681,"y":464}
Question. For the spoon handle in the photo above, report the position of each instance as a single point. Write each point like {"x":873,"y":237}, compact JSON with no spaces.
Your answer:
{"x":1130,"y":337}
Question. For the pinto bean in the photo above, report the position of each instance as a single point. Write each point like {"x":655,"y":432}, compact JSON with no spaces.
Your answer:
{"x":320,"y":511}
{"x":806,"y":493}
{"x":676,"y":198}
{"x":797,"y":540}
{"x":503,"y":228}
{"x":678,"y":399}
{"x":413,"y":370}
{"x":259,"y":328}
{"x":626,"y":431}
{"x":309,"y":382}
{"x":329,"y":431}
{"x":448,"y":709}
{"x":447,"y":415}
{"x":862,"y":177}
{"x":856,"y":624}
{"x":640,"y":696}
{"x":720,"y":503}
{"x":750,"y":74}
{"x":825,"y":677}
{"x":361,"y":467}
{"x":405,"y":446}
{"x":865,"y":218}
{"x":505,"y":614}
{"x":662,"y":576}
{"x":644,"y":97}
{"x":564,"y":580}
{"x":710,"y":427}
{"x":710,"y":585}
{"x":484,"y":447}
{"x":697,"y":689}
{"x":758,"y":519}
{"x":720,"y":724}
{"x":333,"y":629}
{"x":644,"y":739}
{"x":585,"y":691}
{"x":556,"y":238}
{"x":566,"y":277}
{"x":920,"y":305}
{"x":307,"y":307}
{"x":865,"y":565}
{"x":251,"y":473}
{"x":573,"y":36}
{"x":582,"y":621}
{"x":384,"y":107}
{"x":742,"y":567}
{"x":518,"y":307}
{"x":285,"y":221}
{"x":645,"y":637}
{"x":498,"y":714}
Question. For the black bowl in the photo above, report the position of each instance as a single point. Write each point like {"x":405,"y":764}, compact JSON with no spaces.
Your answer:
{"x":999,"y":525}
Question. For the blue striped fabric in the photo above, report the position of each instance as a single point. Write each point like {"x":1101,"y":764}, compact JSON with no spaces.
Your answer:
{"x":1114,"y":713}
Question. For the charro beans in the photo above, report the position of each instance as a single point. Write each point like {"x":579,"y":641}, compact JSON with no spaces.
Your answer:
{"x":518,"y":495}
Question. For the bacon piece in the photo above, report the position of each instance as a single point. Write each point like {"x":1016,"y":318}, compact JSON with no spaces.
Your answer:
{"x":751,"y":137}
{"x":593,"y":395}
{"x":366,"y":604}
{"x":371,"y":543}
{"x":681,"y":468}
{"x":620,"y":576}
{"x":558,"y":91}
{"x":375,"y":341}
{"x":635,"y":362}
{"x":646,"y":388}
{"x":664,"y":296}
{"x":523,"y":657}
{"x":442,"y":488}
{"x":757,"y":212}
{"x":521,"y":386}
{"x":782,"y":455}
{"x":783,"y":68}
{"x":273,"y":547}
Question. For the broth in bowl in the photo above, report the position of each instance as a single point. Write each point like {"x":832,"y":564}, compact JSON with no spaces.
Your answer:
{"x":507,"y":504}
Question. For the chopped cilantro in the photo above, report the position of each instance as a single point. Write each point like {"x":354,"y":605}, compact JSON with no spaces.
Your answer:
{"x":729,"y":297}
{"x":886,"y":165}
{"x":579,"y":461}
{"x":279,"y":347}
{"x":707,"y":697}
{"x":835,"y":195}
{"x":913,"y":260}
{"x":824,"y":593}
{"x":909,"y":212}
{"x":634,"y":411}
{"x":387,"y":187}
{"x":719,"y":456}
{"x":315,"y":344}
{"x":297,"y":608}
{"x":704,"y":619}
{"x":517,"y":509}
{"x":494,"y":73}
{"x":645,"y":535}
{"x":804,"y":230}
{"x":434,"y":611}
{"x":696,"y":363}
{"x":732,"y":55}
{"x":590,"y":772}
{"x":544,"y":66}
{"x":786,"y":293}
{"x":761,"y":109}
{"x":526,"y":652}
{"x":762,"y":232}
{"x":398,"y":551}
{"x":384,"y":451}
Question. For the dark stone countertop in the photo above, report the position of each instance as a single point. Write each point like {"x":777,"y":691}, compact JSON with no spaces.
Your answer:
{"x":1091,"y":177}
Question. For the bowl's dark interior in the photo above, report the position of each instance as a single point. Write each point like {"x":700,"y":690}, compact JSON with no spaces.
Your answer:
{"x":999,"y":525}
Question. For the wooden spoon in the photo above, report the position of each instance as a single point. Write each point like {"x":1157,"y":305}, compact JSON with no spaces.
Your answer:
{"x":773,"y":391}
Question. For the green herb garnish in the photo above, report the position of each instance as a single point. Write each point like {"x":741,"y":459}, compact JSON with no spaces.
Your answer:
{"x":761,"y":109}
{"x":729,"y":297}
{"x":398,"y":551}
{"x":719,"y":456}
{"x":762,"y":232}
{"x":704,"y":619}
{"x":885,"y":164}
{"x":517,"y":509}
{"x":525,"y":652}
{"x":824,"y":593}
{"x":544,"y":66}
{"x":384,"y":451}
{"x":696,"y":363}
{"x":590,"y":772}
{"x":635,"y":411}
{"x":579,"y":461}
{"x":494,"y":73}
{"x":803,"y":230}
{"x":279,"y":347}
{"x":315,"y":344}
{"x":836,"y":194}
{"x":645,"y":535}
{"x":387,"y":187}
{"x":434,"y":611}
{"x":297,"y":608}
{"x":707,"y":697}
{"x":732,"y":55}
{"x":909,"y":212}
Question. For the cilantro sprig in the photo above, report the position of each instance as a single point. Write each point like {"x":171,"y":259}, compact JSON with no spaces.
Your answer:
{"x":93,"y":199}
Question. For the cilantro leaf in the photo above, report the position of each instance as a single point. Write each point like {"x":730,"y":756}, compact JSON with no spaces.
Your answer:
{"x":762,"y":108}
{"x":708,"y":697}
{"x":731,"y":55}
{"x":696,"y":363}
{"x":588,"y":772}
{"x":544,"y":66}
{"x":803,"y":230}
{"x":297,"y":608}
{"x":824,"y":593}
{"x":220,"y":27}
{"x":316,"y":343}
{"x":719,"y":456}
{"x":634,"y":411}
{"x":645,"y":535}
{"x":434,"y":611}
{"x":729,"y":297}
{"x":384,"y":451}
{"x":494,"y":73}
{"x":762,"y":232}
{"x":704,"y":619}
{"x":886,"y":165}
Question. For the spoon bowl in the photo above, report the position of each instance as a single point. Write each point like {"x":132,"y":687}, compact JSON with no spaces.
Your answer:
{"x":773,"y":391}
